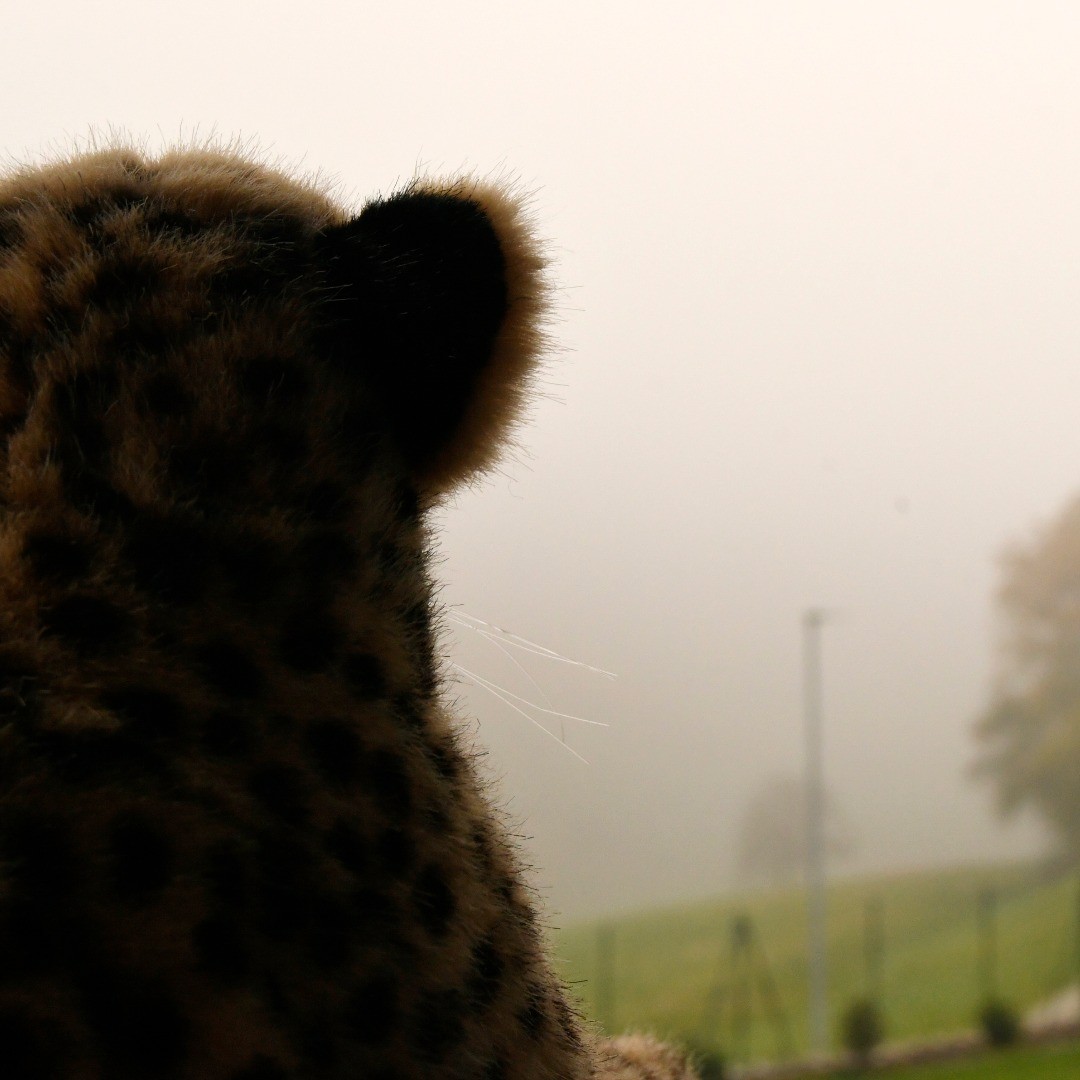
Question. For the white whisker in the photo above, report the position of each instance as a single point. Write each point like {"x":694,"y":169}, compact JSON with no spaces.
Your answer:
{"x":491,"y":631}
{"x":488,"y":684}
{"x":524,"y":671}
{"x":495,"y":692}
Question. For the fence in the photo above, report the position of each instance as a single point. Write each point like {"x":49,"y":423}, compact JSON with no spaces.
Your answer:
{"x":929,"y":949}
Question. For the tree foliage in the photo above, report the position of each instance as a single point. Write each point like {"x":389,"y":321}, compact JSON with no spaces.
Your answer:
{"x":1030,"y":731}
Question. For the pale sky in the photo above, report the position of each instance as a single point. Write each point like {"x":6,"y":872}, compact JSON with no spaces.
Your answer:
{"x":818,"y":270}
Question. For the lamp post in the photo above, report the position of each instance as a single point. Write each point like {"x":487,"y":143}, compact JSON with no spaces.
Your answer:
{"x":816,"y":911}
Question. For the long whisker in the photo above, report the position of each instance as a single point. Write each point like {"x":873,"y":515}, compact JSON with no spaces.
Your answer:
{"x":488,"y":684}
{"x":515,"y":661}
{"x":483,"y":684}
{"x":486,"y":629}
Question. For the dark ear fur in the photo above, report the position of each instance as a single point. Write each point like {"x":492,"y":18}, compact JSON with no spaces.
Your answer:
{"x":437,"y":296}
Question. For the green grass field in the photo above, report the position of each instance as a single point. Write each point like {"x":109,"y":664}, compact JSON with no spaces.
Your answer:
{"x":1027,"y":1063}
{"x":671,"y":971}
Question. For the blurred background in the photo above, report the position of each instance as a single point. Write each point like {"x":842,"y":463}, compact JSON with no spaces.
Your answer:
{"x":816,"y":345}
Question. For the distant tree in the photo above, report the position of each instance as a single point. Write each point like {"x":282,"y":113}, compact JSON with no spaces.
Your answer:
{"x":1030,"y":731}
{"x":772,"y":839}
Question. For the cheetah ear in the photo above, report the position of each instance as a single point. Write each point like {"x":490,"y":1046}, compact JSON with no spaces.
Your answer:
{"x":440,"y":294}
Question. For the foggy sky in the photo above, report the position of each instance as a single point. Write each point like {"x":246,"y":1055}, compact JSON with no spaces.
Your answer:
{"x":819,"y":344}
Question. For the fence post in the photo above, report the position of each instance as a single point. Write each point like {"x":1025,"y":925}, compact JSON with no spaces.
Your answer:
{"x":874,"y":945}
{"x":988,"y":944}
{"x":605,"y":988}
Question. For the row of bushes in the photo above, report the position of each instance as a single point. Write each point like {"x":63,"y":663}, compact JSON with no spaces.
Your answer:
{"x":863,"y":1025}
{"x":863,"y":1028}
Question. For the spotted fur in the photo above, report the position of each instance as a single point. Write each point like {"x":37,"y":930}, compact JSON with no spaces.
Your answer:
{"x":239,"y":837}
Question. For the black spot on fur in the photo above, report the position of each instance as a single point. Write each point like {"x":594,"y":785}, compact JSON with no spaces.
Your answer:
{"x":10,"y":231}
{"x":92,"y":758}
{"x":437,"y":818}
{"x":281,"y":446}
{"x":261,"y":1068}
{"x":391,"y":558}
{"x":349,"y":847}
{"x":92,"y":493}
{"x":228,"y":669}
{"x":331,"y":937}
{"x":377,"y":916}
{"x":408,"y":711}
{"x":150,"y":715}
{"x":56,"y":557}
{"x":434,"y":900}
{"x":275,"y":383}
{"x":374,"y":1011}
{"x":88,"y":624}
{"x":38,"y":939}
{"x":497,"y":1069}
{"x":168,"y":558}
{"x":334,"y":749}
{"x":417,"y":617}
{"x":284,"y":893}
{"x":426,"y":682}
{"x":533,"y":1018}
{"x":42,"y":867}
{"x":274,"y":256}
{"x":567,"y":1023}
{"x":389,"y":780}
{"x":229,"y":734}
{"x":143,"y":333}
{"x":219,"y":945}
{"x":485,"y":980}
{"x":408,"y":503}
{"x":123,"y":281}
{"x":140,"y":1027}
{"x":397,"y":851}
{"x":365,"y":676}
{"x":253,"y":567}
{"x":325,"y":502}
{"x":212,"y":468}
{"x":326,"y":555}
{"x":309,"y":640}
{"x":172,"y":220}
{"x":142,"y":858}
{"x":319,"y":1046}
{"x":438,"y":1024}
{"x":282,"y":789}
{"x":33,"y":1048}
{"x":105,"y":205}
{"x":20,"y":696}
{"x":360,"y":433}
{"x":227,"y":873}
{"x":167,"y":395}
{"x":80,"y":405}
{"x":444,"y":760}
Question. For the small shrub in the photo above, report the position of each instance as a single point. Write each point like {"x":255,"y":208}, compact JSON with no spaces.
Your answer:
{"x":999,"y":1022}
{"x":708,"y":1061}
{"x":862,"y":1027}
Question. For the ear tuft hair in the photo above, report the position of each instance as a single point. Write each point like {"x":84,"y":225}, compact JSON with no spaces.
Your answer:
{"x":441,"y":298}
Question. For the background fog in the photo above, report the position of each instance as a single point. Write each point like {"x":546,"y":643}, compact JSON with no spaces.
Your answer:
{"x":818,"y":267}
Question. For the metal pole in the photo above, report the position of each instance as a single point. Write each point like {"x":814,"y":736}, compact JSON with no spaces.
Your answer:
{"x":816,"y":911}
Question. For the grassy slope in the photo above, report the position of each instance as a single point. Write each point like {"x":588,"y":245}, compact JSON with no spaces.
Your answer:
{"x":665,"y":963}
{"x":1028,"y":1063}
